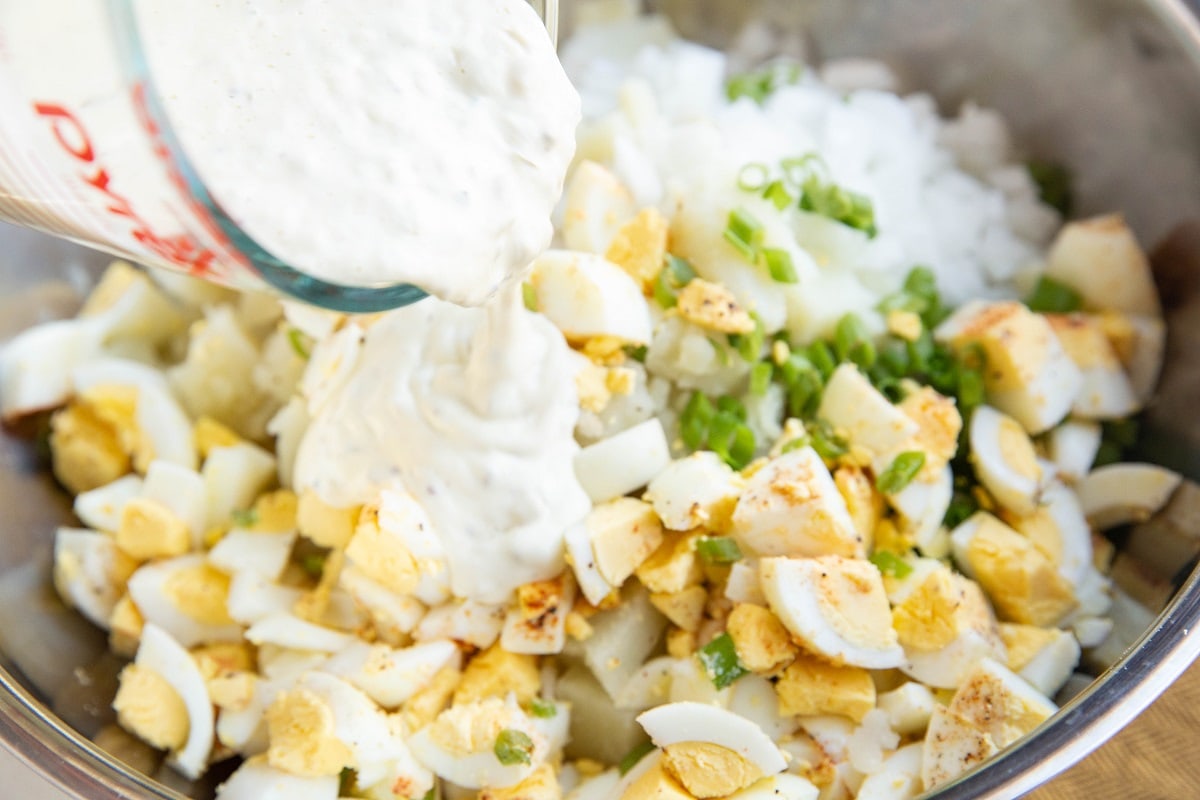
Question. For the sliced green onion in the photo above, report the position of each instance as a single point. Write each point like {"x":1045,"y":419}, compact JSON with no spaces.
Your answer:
{"x":821,"y":356}
{"x":762,"y":83}
{"x":750,"y":345}
{"x":826,"y":442}
{"x":731,"y":439}
{"x":732,"y":406}
{"x":798,"y":169}
{"x":900,"y":472}
{"x":720,"y":660}
{"x":804,"y":394}
{"x":1118,"y":436}
{"x":694,"y":421}
{"x":853,"y":342}
{"x":962,"y":506}
{"x":745,"y":233}
{"x":637,"y":353}
{"x":313,"y":564}
{"x":970,"y":392}
{"x":753,"y":176}
{"x":244,"y":517}
{"x":796,"y":444}
{"x":839,"y":204}
{"x":719,"y":351}
{"x":299,"y":342}
{"x":1053,"y":297}
{"x":430,"y":795}
{"x":921,"y":352}
{"x":893,"y":356}
{"x":780,"y":265}
{"x":631,"y":759}
{"x":675,"y":274}
{"x":777,"y":192}
{"x":718,"y":549}
{"x":543,"y":709}
{"x":529,"y":296}
{"x":513,"y":747}
{"x":1054,"y":185}
{"x":760,"y":378}
{"x":891,"y":564}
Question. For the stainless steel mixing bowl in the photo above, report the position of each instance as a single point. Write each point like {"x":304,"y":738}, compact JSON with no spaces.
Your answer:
{"x":1110,"y":87}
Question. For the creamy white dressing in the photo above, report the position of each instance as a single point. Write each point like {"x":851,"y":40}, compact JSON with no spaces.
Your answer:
{"x":469,"y":410}
{"x":373,"y":142}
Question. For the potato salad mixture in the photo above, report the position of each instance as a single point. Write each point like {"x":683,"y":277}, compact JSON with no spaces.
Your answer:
{"x":793,"y":486}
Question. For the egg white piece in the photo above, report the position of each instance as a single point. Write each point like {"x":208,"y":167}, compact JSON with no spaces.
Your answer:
{"x":753,"y":697}
{"x":673,"y":723}
{"x":36,"y":366}
{"x":1005,"y":460}
{"x":244,"y":730}
{"x":908,"y":707}
{"x":288,"y":427}
{"x":595,"y":205}
{"x":258,"y":780}
{"x":813,"y":596}
{"x":898,"y":779}
{"x":691,"y":683}
{"x":148,"y":588}
{"x":626,"y":461}
{"x":545,"y":634}
{"x":182,"y":491}
{"x":1053,"y":665}
{"x":583,"y":564}
{"x":1091,"y":631}
{"x":778,"y":787}
{"x":586,"y":295}
{"x":159,"y":652}
{"x":1060,"y":525}
{"x":743,"y":585}
{"x":1072,"y":446}
{"x":159,"y":416}
{"x":792,"y":507}
{"x":288,"y":630}
{"x":1118,"y":494}
{"x":254,"y":596}
{"x":479,"y":624}
{"x":401,"y":515}
{"x":479,"y":767}
{"x":850,"y":403}
{"x":102,"y":508}
{"x":233,"y":477}
{"x":389,"y":676}
{"x":685,"y":492}
{"x":922,"y":506}
{"x":394,"y":615}
{"x":89,"y":570}
{"x":379,"y":750}
{"x":948,"y":667}
{"x":250,"y":551}
{"x":598,"y":787}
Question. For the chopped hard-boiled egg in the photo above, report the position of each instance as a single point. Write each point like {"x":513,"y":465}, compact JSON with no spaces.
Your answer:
{"x":792,"y":507}
{"x":1045,"y":657}
{"x":1059,"y":529}
{"x":1101,"y":260}
{"x":866,"y":417}
{"x":388,"y":675}
{"x":1023,"y":584}
{"x":623,"y":533}
{"x":255,"y":779}
{"x":1005,"y":460}
{"x":1118,"y":494}
{"x":699,"y":490}
{"x":90,"y":572}
{"x":678,"y":723}
{"x":945,"y":625}
{"x":164,"y":682}
{"x":1072,"y":447}
{"x":761,"y":641}
{"x":812,"y":687}
{"x":586,"y":295}
{"x":1106,"y":392}
{"x":626,"y":461}
{"x":595,"y":206}
{"x":186,"y":597}
{"x":991,"y":709}
{"x":835,"y":607}
{"x":1029,"y":375}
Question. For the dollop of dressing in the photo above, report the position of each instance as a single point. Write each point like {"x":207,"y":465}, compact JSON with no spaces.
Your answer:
{"x":471,"y":411}
{"x":373,"y":142}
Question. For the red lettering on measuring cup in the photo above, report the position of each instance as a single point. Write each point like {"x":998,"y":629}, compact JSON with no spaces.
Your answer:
{"x":182,"y":249}
{"x":67,"y":130}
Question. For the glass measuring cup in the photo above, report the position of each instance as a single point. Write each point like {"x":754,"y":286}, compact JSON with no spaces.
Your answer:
{"x":88,"y":153}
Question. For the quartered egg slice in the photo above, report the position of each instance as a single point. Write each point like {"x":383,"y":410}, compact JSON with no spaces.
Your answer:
{"x":1005,"y":460}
